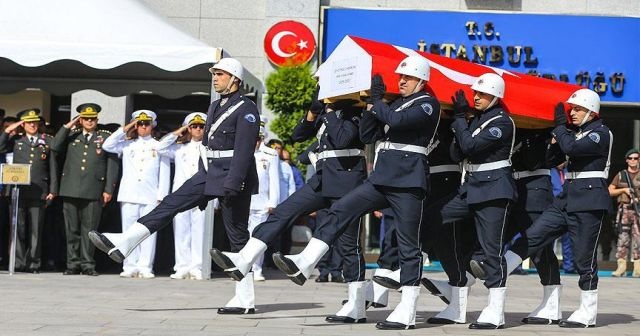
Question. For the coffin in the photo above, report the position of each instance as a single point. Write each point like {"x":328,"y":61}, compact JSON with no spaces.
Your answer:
{"x":347,"y":74}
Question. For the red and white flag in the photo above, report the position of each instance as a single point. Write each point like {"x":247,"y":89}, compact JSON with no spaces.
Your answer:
{"x":529,"y":99}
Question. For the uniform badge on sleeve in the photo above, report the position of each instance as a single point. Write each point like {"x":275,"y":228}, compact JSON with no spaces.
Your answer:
{"x":496,"y":132}
{"x":250,"y":118}
{"x":595,"y":137}
{"x":427,"y":108}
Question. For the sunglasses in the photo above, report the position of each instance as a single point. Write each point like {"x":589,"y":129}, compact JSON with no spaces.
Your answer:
{"x":89,"y":119}
{"x":632,"y":157}
{"x":143,"y":123}
{"x":200,"y":126}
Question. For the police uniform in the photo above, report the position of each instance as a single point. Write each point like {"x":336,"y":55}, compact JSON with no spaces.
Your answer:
{"x":145,"y":181}
{"x":188,"y":226}
{"x":36,"y":151}
{"x":579,"y":209}
{"x":88,"y":172}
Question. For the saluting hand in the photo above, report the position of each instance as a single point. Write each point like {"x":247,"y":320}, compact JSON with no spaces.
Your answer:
{"x":13,"y":126}
{"x":180,"y":131}
{"x":73,"y":122}
{"x":130,"y":125}
{"x":560,"y":116}
{"x":316,"y":106}
{"x":460,"y":104}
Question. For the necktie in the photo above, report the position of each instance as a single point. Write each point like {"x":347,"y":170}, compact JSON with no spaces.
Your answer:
{"x":86,"y":136}
{"x":33,"y":140}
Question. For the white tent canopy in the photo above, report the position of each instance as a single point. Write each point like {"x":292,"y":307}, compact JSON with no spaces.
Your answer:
{"x":114,"y":46}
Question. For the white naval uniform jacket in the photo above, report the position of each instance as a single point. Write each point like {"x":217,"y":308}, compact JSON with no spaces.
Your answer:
{"x":268,"y":169}
{"x":145,"y":169}
{"x":186,"y":157}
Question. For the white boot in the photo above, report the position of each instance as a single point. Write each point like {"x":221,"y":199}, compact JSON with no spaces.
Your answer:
{"x":376,"y":295}
{"x":456,"y":311}
{"x":492,"y":316}
{"x":119,"y":245}
{"x":442,"y":288}
{"x":237,"y":265}
{"x":586,"y":315}
{"x":354,"y":310}
{"x":388,"y":279}
{"x":404,"y":315}
{"x":548,"y":312}
{"x":299,"y":267}
{"x":244,"y":300}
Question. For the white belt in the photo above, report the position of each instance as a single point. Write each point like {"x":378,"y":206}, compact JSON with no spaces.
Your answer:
{"x":444,"y":169}
{"x":472,"y":168}
{"x":402,"y":147}
{"x":218,"y":154}
{"x":585,"y":174}
{"x":528,"y":173}
{"x":313,"y":157}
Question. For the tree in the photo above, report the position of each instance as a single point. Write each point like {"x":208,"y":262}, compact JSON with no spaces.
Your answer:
{"x":289,"y":93}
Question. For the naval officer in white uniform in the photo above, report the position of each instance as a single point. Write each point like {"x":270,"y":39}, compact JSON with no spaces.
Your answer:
{"x":183,"y":147}
{"x":145,"y":182}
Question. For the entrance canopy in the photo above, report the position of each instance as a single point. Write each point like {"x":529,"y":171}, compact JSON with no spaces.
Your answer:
{"x":117,"y":47}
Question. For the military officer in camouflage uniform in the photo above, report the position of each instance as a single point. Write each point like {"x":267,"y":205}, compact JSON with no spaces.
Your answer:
{"x":31,"y":147}
{"x":89,"y":177}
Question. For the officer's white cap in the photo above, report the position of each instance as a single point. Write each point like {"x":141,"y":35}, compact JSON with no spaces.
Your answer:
{"x":195,"y":117}
{"x":145,"y":115}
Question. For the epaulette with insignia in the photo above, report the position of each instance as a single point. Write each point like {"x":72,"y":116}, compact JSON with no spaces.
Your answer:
{"x":105,"y":132}
{"x":75,"y":130}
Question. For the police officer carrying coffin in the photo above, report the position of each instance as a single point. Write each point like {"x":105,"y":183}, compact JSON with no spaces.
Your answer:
{"x":399,"y":180}
{"x":227,"y":171}
{"x":488,"y":188}
{"x":340,"y":167}
{"x":89,"y":177}
{"x":584,"y":201}
{"x":34,"y":148}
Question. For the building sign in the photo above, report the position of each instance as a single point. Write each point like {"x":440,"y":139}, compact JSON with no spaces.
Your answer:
{"x":289,"y":43}
{"x":597,"y":52}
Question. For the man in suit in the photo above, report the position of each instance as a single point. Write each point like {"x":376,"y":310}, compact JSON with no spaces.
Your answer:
{"x":89,"y":177}
{"x":31,"y":147}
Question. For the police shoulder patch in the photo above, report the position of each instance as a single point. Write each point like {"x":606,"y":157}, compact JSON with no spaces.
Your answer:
{"x":427,"y":108}
{"x":595,"y":137}
{"x":496,"y":132}
{"x":250,"y":117}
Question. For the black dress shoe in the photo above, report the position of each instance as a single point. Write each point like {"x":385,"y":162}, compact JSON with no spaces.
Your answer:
{"x":386,"y":282}
{"x":539,"y":320}
{"x":321,"y":278}
{"x":236,"y":311}
{"x":440,"y":320}
{"x":433,"y":289}
{"x":573,"y":324}
{"x":34,"y":271}
{"x":485,"y":326}
{"x":100,"y":241}
{"x":90,"y":273}
{"x":386,"y":325}
{"x":226,"y":264}
{"x":337,"y":278}
{"x":71,"y":272}
{"x":344,"y":319}
{"x":477,"y":268}
{"x":287,"y":266}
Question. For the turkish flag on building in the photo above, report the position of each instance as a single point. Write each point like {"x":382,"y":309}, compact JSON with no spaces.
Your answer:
{"x":347,"y":71}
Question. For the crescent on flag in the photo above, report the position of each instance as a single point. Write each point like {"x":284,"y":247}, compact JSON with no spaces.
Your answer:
{"x":275,"y":44}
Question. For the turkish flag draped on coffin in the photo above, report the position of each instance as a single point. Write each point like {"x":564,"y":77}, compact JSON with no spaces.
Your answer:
{"x":347,"y":72}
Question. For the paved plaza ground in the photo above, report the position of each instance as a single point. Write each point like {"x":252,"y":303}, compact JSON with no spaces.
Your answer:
{"x":53,"y":304}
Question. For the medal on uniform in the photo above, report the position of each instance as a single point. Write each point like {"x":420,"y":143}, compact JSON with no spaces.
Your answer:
{"x":43,"y":156}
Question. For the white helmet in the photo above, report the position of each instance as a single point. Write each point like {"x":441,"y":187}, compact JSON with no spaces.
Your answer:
{"x":416,"y":66}
{"x":489,"y":83}
{"x":587,"y":99}
{"x":230,"y":65}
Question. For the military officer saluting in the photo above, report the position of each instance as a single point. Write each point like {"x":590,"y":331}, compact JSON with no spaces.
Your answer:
{"x":89,"y":177}
{"x":31,"y":147}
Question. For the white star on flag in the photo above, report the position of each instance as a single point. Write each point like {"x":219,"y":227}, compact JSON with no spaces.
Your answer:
{"x":302,"y":44}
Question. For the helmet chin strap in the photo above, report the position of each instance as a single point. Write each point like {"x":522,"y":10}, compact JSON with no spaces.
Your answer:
{"x":584,"y":120}
{"x":492,"y":103}
{"x":418,"y":87}
{"x":226,"y":90}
